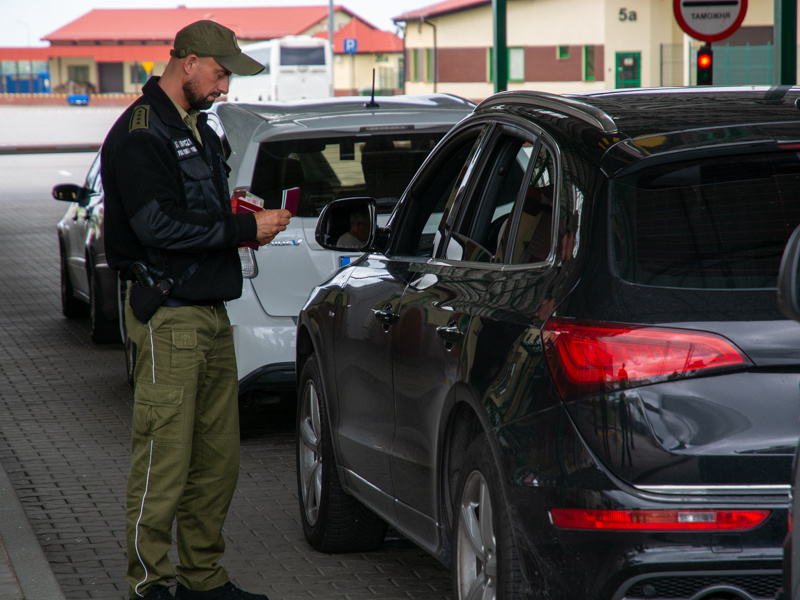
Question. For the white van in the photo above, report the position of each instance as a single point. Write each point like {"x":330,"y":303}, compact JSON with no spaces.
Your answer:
{"x":295,"y":67}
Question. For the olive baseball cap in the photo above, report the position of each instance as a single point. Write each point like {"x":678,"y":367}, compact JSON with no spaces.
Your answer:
{"x":207,"y":38}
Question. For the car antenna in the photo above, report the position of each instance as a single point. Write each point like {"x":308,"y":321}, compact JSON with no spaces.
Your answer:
{"x":372,"y":103}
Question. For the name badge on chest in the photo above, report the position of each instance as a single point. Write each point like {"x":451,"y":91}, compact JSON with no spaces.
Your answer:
{"x":185,"y":148}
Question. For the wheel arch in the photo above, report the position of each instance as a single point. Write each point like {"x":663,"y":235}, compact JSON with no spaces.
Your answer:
{"x":307,"y":344}
{"x":304,"y":347}
{"x":462,"y":425}
{"x":466,"y":421}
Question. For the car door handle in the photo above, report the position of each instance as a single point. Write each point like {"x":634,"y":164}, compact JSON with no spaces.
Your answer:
{"x":387,"y":316}
{"x":451,"y":333}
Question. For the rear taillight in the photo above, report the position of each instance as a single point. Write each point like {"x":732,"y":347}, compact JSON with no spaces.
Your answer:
{"x":590,"y":358}
{"x":657,"y":520}
{"x":248,"y":259}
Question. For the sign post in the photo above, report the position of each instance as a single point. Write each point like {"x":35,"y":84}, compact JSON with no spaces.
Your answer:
{"x":708,"y":21}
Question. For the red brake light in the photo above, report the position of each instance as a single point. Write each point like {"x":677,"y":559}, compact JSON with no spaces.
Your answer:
{"x":657,"y":520}
{"x":587,"y":358}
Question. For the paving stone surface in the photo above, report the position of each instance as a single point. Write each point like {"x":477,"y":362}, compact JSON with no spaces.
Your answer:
{"x":65,"y":426}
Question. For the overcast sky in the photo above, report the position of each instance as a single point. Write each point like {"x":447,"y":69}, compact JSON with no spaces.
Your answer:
{"x":25,"y":22}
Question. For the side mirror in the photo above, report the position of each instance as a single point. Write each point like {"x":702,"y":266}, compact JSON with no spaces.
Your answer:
{"x":69,"y":192}
{"x":347,"y":224}
{"x":789,"y":278}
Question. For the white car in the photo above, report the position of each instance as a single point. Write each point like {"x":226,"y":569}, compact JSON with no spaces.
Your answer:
{"x":328,"y":148}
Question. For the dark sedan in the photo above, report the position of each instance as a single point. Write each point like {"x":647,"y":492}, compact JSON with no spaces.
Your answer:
{"x":560,"y":367}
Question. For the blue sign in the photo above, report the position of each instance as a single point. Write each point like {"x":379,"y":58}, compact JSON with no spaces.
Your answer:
{"x":350,"y":45}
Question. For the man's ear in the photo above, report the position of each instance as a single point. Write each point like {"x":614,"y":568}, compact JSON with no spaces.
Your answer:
{"x":190,"y":63}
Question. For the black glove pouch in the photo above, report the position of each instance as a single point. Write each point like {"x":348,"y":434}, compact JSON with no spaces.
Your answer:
{"x":145,"y":301}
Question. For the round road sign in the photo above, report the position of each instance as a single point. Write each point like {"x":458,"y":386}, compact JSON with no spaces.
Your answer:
{"x":710,"y":20}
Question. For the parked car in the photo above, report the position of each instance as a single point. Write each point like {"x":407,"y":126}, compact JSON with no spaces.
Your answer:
{"x":87,"y":282}
{"x":789,"y":304}
{"x":328,"y":148}
{"x":560,"y":367}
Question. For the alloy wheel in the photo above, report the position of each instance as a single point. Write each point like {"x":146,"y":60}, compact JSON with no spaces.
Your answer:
{"x":310,"y":457}
{"x":476,"y":543}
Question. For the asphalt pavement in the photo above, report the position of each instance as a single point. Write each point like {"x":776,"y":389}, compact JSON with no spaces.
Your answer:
{"x":65,"y":428}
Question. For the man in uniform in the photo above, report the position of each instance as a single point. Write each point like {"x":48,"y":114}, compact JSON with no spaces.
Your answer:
{"x":169,"y":225}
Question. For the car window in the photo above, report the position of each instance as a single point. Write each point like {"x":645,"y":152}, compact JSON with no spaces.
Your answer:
{"x":714,"y":223}
{"x":430,"y":200}
{"x":93,"y":181}
{"x":484,"y":219}
{"x":375,"y":165}
{"x":533,"y":239}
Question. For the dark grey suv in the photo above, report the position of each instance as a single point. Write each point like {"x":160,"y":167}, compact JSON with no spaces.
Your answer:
{"x":560,"y":367}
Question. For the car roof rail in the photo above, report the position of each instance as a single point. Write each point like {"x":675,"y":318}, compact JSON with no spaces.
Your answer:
{"x":553,"y":102}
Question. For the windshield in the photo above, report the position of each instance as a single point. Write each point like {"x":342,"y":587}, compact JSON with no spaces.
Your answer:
{"x":718,"y":223}
{"x":376,"y":165}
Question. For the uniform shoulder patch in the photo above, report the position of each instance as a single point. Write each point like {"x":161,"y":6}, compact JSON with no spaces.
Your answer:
{"x":140,"y":119}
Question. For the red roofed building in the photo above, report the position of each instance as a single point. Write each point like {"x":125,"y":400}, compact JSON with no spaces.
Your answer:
{"x":114,"y":50}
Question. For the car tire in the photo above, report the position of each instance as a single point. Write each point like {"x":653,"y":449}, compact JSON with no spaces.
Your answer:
{"x":71,"y":307}
{"x":485,"y":560}
{"x":103,"y":329}
{"x":333,"y":520}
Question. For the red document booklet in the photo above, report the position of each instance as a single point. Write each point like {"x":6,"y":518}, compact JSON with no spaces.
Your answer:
{"x":290,"y":200}
{"x":245,"y":202}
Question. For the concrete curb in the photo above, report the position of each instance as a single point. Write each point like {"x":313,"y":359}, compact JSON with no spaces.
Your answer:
{"x":48,"y":148}
{"x":28,"y":562}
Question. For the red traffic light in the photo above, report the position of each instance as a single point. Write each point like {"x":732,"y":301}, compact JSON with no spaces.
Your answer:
{"x":705,"y":65}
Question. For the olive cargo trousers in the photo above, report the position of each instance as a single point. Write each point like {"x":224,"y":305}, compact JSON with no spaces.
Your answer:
{"x":185,"y":446}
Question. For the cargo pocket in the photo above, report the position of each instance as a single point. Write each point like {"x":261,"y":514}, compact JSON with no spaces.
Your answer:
{"x":158,"y":411}
{"x":198,"y":183}
{"x":183,"y":358}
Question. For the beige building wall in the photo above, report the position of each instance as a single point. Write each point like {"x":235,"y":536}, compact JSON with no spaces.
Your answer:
{"x":554,"y":22}
{"x":136,"y":88}
{"x":59,"y":70}
{"x":352,"y":73}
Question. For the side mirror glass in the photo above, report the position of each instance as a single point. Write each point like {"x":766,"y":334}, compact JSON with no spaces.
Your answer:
{"x":347,"y":224}
{"x":789,"y":278}
{"x":69,"y":192}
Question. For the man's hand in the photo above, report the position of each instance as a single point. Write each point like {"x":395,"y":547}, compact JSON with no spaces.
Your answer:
{"x":270,"y":223}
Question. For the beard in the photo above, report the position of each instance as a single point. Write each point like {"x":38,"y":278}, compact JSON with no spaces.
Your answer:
{"x":197,"y":99}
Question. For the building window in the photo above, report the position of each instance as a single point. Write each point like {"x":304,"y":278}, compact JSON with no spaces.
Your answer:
{"x":563,"y":52}
{"x":78,"y":73}
{"x":588,"y":63}
{"x":516,"y":64}
{"x":415,"y":65}
{"x":428,"y":64}
{"x":137,"y":74}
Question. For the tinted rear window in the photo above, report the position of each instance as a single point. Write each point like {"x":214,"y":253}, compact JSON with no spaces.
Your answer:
{"x":302,"y":56}
{"x":710,"y":224}
{"x":375,"y":165}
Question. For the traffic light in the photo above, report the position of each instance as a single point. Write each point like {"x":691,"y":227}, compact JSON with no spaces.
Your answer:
{"x":705,"y":65}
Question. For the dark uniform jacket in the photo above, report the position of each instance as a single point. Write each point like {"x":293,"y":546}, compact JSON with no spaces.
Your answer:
{"x":167,"y":202}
